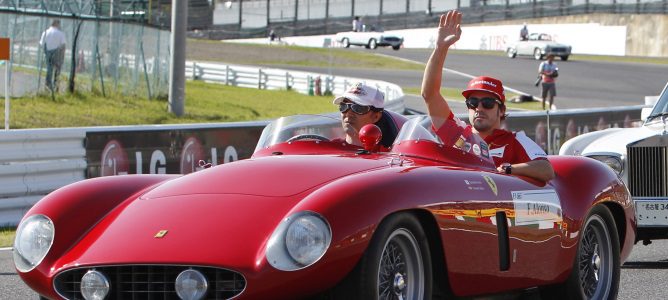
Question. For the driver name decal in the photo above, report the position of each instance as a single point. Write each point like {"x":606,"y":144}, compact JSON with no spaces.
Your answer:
{"x":537,"y":207}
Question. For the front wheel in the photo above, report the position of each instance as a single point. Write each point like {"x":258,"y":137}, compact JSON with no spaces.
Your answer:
{"x":564,"y":57}
{"x":537,"y":54}
{"x":596,"y":270}
{"x":511,"y":53}
{"x":346,"y":43}
{"x":397,"y":47}
{"x":396,"y":265}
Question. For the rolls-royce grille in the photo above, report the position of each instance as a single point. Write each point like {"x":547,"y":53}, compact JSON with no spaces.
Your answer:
{"x":150,"y":282}
{"x":648,"y":171}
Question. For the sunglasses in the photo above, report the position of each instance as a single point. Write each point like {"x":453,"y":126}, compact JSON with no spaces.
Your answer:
{"x":356,"y":108}
{"x":487,"y":102}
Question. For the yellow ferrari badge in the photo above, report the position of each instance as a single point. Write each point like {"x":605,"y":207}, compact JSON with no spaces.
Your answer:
{"x":491,"y":183}
{"x":160,"y":234}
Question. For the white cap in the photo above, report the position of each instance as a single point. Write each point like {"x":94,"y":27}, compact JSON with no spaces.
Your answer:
{"x":363,"y":94}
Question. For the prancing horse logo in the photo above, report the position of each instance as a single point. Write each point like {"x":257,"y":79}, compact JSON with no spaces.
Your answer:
{"x":160,"y":234}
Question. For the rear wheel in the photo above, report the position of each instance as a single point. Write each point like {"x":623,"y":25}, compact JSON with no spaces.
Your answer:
{"x":346,"y":43}
{"x":595,"y":273}
{"x":537,"y":54}
{"x":373,"y":44}
{"x":564,"y":58}
{"x":396,"y":265}
{"x":397,"y":47}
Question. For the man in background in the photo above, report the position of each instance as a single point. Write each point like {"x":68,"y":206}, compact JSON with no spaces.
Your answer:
{"x":53,"y":43}
{"x":548,"y":72}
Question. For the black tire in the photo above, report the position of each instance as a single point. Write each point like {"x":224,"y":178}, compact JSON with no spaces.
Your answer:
{"x":397,"y":261}
{"x":397,"y":47}
{"x":345,"y":43}
{"x":537,"y":54}
{"x":596,"y":269}
{"x":372,"y":44}
{"x":564,"y":58}
{"x":511,"y":53}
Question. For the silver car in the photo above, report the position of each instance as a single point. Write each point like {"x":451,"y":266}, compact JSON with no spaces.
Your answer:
{"x":539,"y":45}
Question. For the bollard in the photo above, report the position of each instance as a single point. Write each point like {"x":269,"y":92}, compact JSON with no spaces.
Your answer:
{"x":310,"y":85}
{"x":318,"y":86}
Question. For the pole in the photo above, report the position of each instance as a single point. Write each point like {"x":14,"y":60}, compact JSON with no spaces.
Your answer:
{"x":6,"y":95}
{"x":177,"y":73}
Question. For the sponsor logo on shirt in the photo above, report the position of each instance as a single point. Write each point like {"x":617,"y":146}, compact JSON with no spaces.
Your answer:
{"x":497,"y":152}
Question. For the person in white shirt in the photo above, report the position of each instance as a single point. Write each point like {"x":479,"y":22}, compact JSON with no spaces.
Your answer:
{"x":53,"y":43}
{"x":548,"y":70}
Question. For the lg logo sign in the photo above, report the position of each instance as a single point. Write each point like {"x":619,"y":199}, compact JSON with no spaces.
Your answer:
{"x":114,"y":160}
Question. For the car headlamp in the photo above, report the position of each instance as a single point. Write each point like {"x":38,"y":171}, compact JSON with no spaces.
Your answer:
{"x":299,"y":241}
{"x":34,"y":238}
{"x":612,"y":161}
{"x":94,"y":285}
{"x":191,"y":285}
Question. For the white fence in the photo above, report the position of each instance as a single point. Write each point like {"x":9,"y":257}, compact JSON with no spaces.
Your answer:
{"x":301,"y":82}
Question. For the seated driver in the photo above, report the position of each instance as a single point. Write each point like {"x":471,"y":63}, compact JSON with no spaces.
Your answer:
{"x":363,"y":104}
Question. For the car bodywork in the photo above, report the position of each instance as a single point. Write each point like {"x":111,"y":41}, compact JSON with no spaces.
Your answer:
{"x":638,"y":155}
{"x":483,"y":232}
{"x":369,"y":39}
{"x":539,"y":45}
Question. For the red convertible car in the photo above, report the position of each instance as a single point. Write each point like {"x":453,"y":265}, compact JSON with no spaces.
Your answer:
{"x":312,"y":216}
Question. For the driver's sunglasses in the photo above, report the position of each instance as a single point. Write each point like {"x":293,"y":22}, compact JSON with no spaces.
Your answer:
{"x":356,"y":108}
{"x":487,"y":102}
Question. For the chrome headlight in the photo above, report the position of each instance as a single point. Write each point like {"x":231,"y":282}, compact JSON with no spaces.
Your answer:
{"x":299,"y":241}
{"x":34,"y":238}
{"x":612,"y":161}
{"x":94,"y":285}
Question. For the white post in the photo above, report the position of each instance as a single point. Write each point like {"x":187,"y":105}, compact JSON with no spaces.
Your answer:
{"x":6,"y":95}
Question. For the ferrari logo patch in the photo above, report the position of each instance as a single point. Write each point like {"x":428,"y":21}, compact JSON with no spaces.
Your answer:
{"x":491,"y":183}
{"x":160,"y":234}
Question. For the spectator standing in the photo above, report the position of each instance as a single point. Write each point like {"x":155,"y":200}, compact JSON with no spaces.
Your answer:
{"x":272,"y":36}
{"x":356,"y":24}
{"x":524,"y":32}
{"x":53,"y":44}
{"x":548,"y":71}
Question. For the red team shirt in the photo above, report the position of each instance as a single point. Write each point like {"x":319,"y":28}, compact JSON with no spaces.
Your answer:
{"x":502,"y":146}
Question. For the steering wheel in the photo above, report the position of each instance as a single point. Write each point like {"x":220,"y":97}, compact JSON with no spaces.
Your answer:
{"x":316,"y":137}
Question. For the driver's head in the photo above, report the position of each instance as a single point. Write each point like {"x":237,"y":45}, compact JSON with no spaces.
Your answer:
{"x":485,"y":100}
{"x":360,"y":105}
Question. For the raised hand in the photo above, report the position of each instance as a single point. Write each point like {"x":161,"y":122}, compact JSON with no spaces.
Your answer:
{"x":449,"y":29}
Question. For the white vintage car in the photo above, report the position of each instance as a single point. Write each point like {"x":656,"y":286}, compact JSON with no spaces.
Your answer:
{"x":539,"y":45}
{"x":369,"y":39}
{"x":640,"y":158}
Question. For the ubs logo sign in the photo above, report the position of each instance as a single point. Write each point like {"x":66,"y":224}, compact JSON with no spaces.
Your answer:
{"x":114,"y":161}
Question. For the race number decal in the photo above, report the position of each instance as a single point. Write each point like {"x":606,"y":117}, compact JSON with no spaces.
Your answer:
{"x":537,"y":207}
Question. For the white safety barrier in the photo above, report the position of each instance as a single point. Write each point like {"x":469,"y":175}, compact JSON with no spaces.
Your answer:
{"x":301,"y":82}
{"x":35,"y":162}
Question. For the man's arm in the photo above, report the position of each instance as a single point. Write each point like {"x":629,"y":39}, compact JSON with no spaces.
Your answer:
{"x":540,"y":169}
{"x":449,"y":31}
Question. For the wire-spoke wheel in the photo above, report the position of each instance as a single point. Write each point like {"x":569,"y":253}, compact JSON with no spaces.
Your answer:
{"x":596,"y":269}
{"x":537,"y":54}
{"x":401,"y":269}
{"x":396,"y":265}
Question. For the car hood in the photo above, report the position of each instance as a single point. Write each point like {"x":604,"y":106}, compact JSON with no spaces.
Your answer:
{"x":616,"y":141}
{"x":221,"y":216}
{"x":267,"y":176}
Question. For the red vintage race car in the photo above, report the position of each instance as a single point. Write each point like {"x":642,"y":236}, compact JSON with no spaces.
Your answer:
{"x":312,"y":216}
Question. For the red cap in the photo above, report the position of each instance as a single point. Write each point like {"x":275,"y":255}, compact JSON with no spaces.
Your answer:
{"x":485,"y":84}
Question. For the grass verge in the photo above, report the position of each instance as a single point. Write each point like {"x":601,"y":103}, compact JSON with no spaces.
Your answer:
{"x":456,"y":95}
{"x":204,"y":103}
{"x":7,"y":236}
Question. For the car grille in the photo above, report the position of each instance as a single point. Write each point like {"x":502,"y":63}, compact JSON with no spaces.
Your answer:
{"x":150,"y":282}
{"x":648,"y":171}
{"x":391,"y":39}
{"x":558,"y":49}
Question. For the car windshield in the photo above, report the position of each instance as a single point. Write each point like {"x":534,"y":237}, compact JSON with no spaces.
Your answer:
{"x":282,"y":129}
{"x":417,"y":129}
{"x":661,"y":108}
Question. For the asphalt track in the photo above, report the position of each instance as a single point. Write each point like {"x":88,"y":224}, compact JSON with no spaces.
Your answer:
{"x":643,"y":276}
{"x":581,"y":84}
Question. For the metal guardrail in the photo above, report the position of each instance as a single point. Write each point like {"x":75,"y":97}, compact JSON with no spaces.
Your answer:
{"x":35,"y":162}
{"x":301,"y":82}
